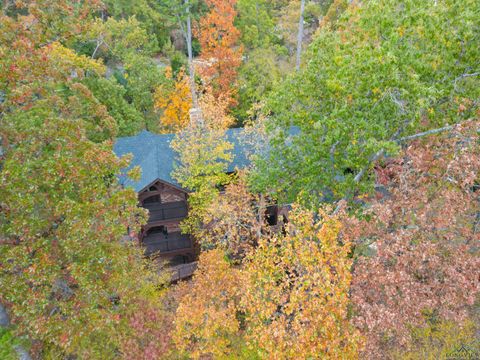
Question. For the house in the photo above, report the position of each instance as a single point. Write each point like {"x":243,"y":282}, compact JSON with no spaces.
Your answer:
{"x":164,"y":198}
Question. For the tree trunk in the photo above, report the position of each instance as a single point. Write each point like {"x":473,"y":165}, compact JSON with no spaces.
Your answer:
{"x":300,"y":34}
{"x":191,"y":70}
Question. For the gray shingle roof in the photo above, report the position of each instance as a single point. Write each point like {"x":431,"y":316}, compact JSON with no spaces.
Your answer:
{"x":152,"y":152}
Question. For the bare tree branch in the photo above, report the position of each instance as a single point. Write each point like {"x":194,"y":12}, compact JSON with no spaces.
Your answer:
{"x":425,"y":133}
{"x":463,"y":76}
{"x":380,"y":152}
{"x":300,"y":35}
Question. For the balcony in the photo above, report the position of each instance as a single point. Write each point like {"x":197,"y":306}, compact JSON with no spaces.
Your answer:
{"x":166,"y":211}
{"x":166,"y":244}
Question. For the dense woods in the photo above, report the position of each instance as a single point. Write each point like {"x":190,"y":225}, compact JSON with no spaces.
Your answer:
{"x":351,"y":230}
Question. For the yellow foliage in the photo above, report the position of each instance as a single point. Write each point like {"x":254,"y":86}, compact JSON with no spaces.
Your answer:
{"x":215,"y":110}
{"x":442,"y":340}
{"x":206,"y":322}
{"x":287,"y":300}
{"x":295,"y":294}
{"x":68,"y":60}
{"x":175,"y":102}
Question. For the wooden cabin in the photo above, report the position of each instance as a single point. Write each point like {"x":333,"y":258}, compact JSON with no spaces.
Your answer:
{"x":162,"y":196}
{"x":165,"y":199}
{"x":167,"y":207}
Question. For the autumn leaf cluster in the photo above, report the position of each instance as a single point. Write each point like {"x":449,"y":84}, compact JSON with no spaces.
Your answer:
{"x":288,"y":297}
{"x":421,"y":260}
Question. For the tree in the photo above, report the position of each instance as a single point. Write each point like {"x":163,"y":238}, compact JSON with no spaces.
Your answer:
{"x":300,"y":35}
{"x":265,"y":58}
{"x":206,"y":318}
{"x":148,"y":12}
{"x":113,"y":95}
{"x":413,"y":79}
{"x":127,"y":47}
{"x":174,"y":101}
{"x":295,"y":295}
{"x":256,"y":24}
{"x":191,"y":69}
{"x":119,"y":38}
{"x":215,"y":110}
{"x":184,"y":11}
{"x":257,"y":77}
{"x":152,"y":326}
{"x":234,"y":222}
{"x":287,"y":23}
{"x":66,"y":274}
{"x":203,"y":158}
{"x":218,"y":38}
{"x":142,"y":76}
{"x":334,"y":12}
{"x":418,"y":254}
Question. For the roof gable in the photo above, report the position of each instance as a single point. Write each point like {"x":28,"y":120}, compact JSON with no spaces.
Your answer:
{"x":153,"y":154}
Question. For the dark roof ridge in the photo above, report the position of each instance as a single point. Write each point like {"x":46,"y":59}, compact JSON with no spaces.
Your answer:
{"x":153,"y":154}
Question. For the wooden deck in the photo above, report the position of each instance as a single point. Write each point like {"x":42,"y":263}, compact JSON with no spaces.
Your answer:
{"x":166,"y":244}
{"x":166,"y":211}
{"x":182,"y":271}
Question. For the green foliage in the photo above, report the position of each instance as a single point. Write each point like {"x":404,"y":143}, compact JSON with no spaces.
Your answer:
{"x":178,"y":60}
{"x":66,"y":266}
{"x":148,"y":12}
{"x":128,"y":46}
{"x":142,"y":76}
{"x":255,"y":23}
{"x":143,"y":9}
{"x":257,"y":77}
{"x":111,"y":94}
{"x":98,"y":124}
{"x":383,"y":72}
{"x":441,"y":340}
{"x":8,"y":342}
{"x":119,"y":38}
{"x":265,"y":54}
{"x":64,"y":262}
{"x":203,"y":156}
{"x":77,"y":287}
{"x":175,"y":13}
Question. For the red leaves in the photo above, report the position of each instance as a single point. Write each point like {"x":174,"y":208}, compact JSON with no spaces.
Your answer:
{"x":151,"y":332}
{"x":386,"y":173}
{"x":424,"y":240}
{"x":218,"y":38}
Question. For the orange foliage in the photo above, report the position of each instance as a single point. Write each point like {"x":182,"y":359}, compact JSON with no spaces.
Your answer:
{"x":218,"y":38}
{"x":215,"y":110}
{"x":175,"y":101}
{"x":288,"y":298}
{"x":206,"y":316}
{"x":234,"y":221}
{"x":295,"y":294}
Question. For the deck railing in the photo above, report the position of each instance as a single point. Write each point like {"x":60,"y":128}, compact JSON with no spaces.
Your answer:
{"x":183,"y":271}
{"x":165,"y":211}
{"x":162,"y":243}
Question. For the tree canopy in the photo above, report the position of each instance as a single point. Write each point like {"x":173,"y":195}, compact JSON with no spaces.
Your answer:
{"x":381,"y":72}
{"x":351,"y":230}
